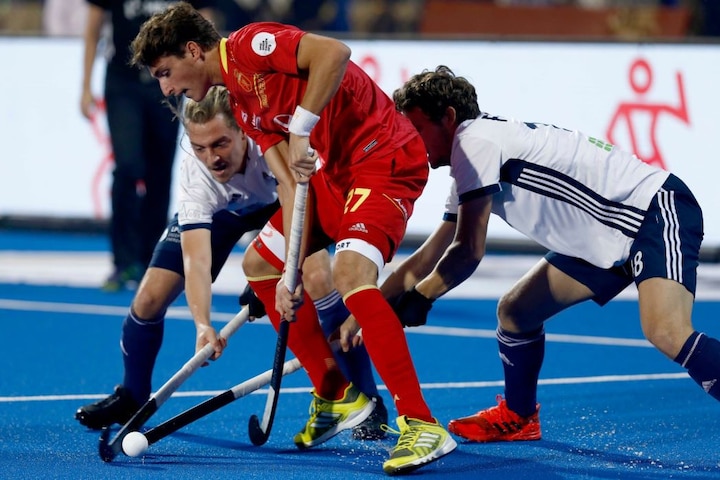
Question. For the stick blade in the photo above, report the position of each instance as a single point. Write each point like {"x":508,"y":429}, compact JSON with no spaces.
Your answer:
{"x":107,"y":452}
{"x":109,"y":449}
{"x":257,"y":436}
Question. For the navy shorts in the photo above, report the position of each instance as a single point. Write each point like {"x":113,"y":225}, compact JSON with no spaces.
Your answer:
{"x":666,"y":246}
{"x":225,"y":232}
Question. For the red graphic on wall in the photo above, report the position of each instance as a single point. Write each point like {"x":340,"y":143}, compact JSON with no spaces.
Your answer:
{"x":641,"y":78}
{"x":107,"y":160}
{"x":372,"y":66}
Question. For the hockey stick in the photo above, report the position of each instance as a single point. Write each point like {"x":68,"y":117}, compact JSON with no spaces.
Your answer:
{"x":109,"y":449}
{"x":210,"y":405}
{"x":200,"y":410}
{"x":260,"y":431}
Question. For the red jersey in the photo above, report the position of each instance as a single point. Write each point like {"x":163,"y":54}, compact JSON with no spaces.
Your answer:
{"x":260,"y":71}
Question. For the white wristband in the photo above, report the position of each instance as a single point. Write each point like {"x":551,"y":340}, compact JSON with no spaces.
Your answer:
{"x":302,"y":122}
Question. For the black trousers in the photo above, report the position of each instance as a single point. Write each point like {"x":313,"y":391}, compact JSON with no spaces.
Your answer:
{"x":144,"y":135}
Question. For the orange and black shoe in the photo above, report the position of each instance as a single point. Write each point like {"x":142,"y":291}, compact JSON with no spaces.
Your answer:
{"x":497,"y":424}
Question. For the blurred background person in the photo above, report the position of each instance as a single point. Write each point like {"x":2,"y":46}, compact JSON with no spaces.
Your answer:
{"x":143,"y":136}
{"x":316,"y":15}
{"x":232,"y":14}
{"x":64,"y":18}
{"x":706,"y":18}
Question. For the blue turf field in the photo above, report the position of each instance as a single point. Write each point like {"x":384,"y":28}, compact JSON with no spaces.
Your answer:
{"x":612,"y":407}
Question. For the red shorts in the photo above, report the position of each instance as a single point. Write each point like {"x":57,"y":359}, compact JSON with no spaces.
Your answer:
{"x":375,"y":208}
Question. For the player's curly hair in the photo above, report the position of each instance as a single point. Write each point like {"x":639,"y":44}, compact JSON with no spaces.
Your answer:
{"x":166,"y":33}
{"x":434,"y":92}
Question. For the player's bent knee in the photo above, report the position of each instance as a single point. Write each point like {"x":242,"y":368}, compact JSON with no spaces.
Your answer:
{"x":251,"y":261}
{"x":317,"y":273}
{"x":346,"y":278}
{"x":148,"y":305}
{"x":318,"y":281}
{"x":254,"y":265}
{"x":158,"y":289}
{"x":665,"y":340}
{"x":506,"y":314}
{"x":357,"y":263}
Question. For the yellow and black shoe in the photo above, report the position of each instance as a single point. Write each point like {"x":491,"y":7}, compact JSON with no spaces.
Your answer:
{"x":419,"y":444}
{"x":328,"y":418}
{"x":372,"y":428}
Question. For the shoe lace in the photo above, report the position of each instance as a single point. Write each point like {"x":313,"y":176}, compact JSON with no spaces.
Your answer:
{"x":313,"y":409}
{"x":408,"y":436}
{"x":316,"y":407}
{"x":388,"y":429}
{"x":500,"y":414}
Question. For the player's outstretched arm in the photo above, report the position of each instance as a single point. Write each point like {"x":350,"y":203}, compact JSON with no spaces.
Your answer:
{"x":464,"y":253}
{"x":91,"y":37}
{"x":459,"y":261}
{"x":419,"y":265}
{"x":197,"y":261}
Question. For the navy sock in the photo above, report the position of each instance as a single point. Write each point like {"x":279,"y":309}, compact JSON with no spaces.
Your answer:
{"x":354,"y":364}
{"x":522,"y":356}
{"x":701,"y":356}
{"x":140,"y":344}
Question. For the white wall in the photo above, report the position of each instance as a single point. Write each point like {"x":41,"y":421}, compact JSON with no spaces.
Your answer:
{"x":53,"y":161}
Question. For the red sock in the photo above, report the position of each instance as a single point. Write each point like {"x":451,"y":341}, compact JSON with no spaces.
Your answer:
{"x":306,"y":341}
{"x":386,"y":344}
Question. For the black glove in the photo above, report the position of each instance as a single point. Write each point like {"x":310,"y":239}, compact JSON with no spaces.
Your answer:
{"x":248,"y":297}
{"x":412,"y":308}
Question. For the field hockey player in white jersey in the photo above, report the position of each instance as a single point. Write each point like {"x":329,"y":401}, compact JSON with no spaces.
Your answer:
{"x":606,"y":217}
{"x":226,"y":190}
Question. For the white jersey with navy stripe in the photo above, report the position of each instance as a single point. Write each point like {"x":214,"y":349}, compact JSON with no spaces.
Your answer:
{"x":571,"y":193}
{"x":200,"y":195}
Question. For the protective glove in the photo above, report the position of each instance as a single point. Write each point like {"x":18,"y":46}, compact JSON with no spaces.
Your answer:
{"x":248,"y":297}
{"x":412,"y":308}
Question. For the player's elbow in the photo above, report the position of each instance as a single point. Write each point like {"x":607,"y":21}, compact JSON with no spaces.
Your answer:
{"x":345,"y":52}
{"x":472,"y":251}
{"x":339,"y":53}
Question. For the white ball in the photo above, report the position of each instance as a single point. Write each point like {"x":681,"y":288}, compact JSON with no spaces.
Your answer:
{"x":134,"y":444}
